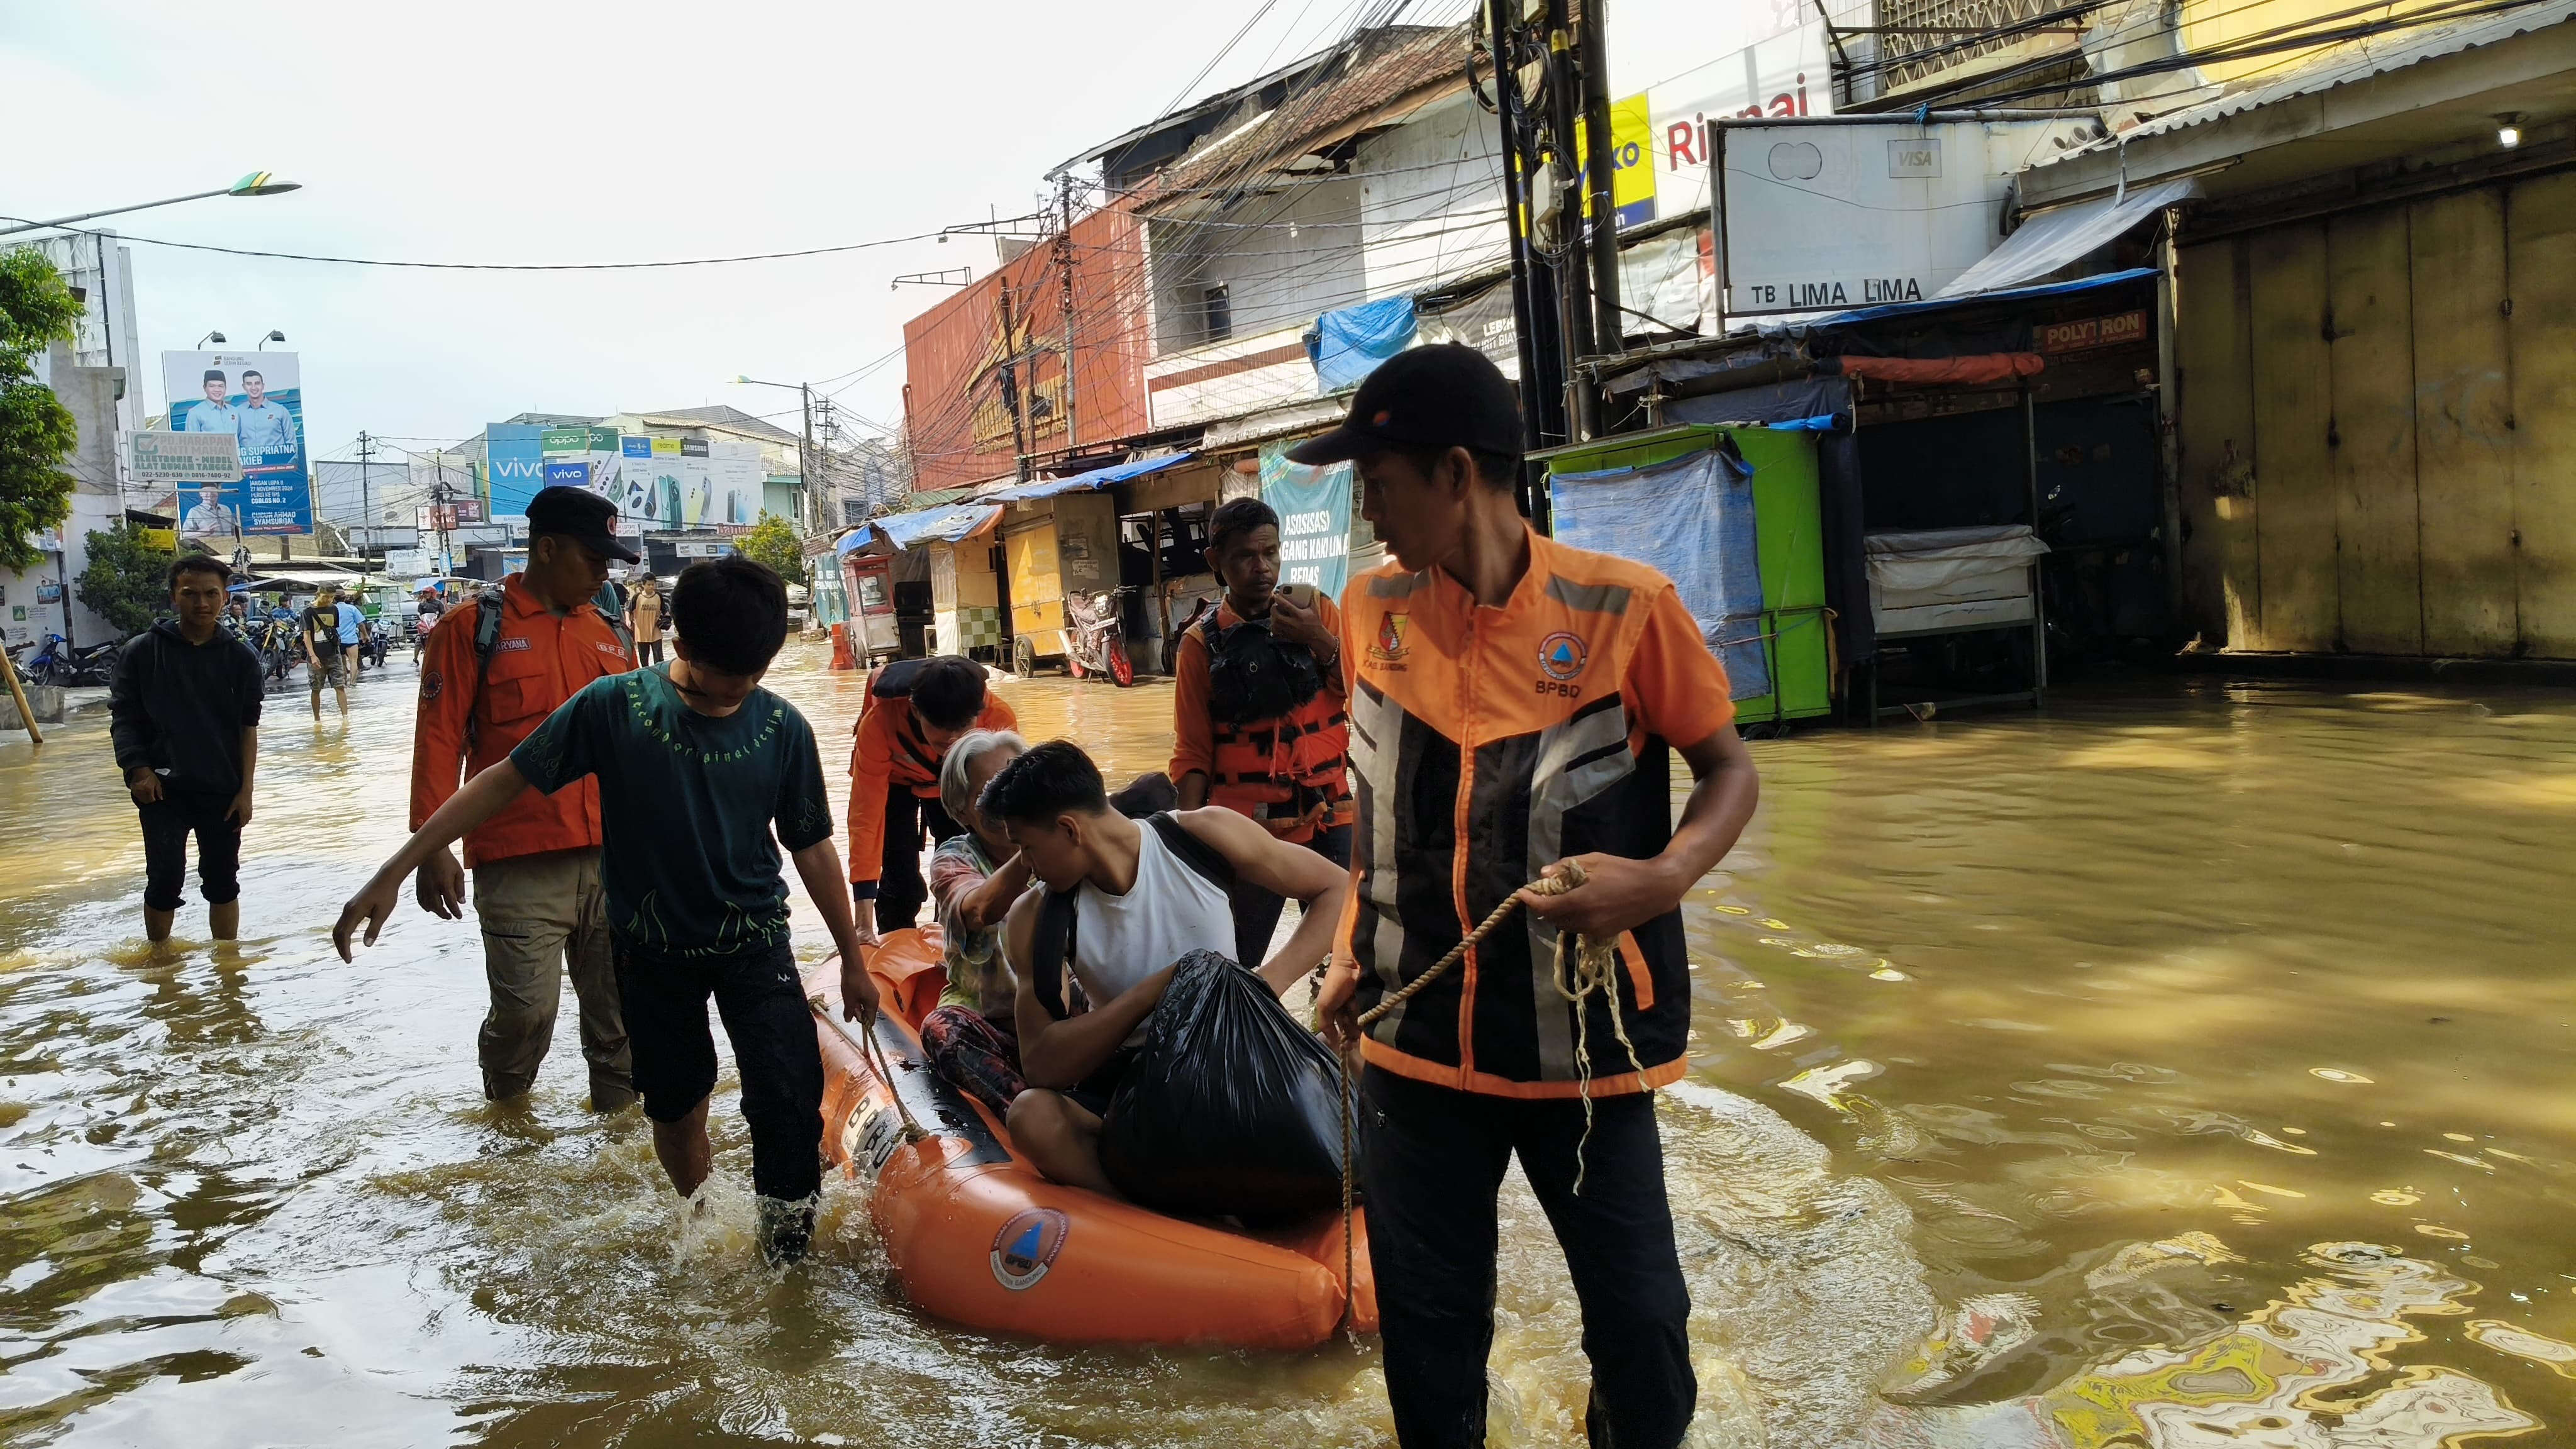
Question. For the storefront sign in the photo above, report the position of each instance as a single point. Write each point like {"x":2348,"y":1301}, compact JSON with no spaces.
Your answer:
{"x":161,"y":457}
{"x":2093,"y":332}
{"x":1314,"y":508}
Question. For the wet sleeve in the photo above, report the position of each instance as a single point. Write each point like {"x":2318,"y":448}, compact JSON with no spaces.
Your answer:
{"x":803,"y":813}
{"x":447,"y":684}
{"x":871,"y":759}
{"x":570,"y":744}
{"x":129,"y":728}
{"x":1675,"y":685}
{"x":1193,"y":745}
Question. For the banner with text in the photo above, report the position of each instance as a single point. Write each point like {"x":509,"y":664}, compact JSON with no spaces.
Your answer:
{"x":1314,"y":508}
{"x":257,"y":399}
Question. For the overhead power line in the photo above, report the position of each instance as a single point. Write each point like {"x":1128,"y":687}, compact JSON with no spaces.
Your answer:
{"x":508,"y":266}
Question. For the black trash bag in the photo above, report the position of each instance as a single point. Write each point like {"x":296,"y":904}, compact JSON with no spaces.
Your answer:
{"x":1230,"y":1108}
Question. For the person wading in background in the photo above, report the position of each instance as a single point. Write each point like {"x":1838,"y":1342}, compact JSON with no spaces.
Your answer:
{"x":325,"y":660}
{"x":1514,"y":700}
{"x":184,"y":704}
{"x":916,"y":709}
{"x":644,"y":617}
{"x":536,"y":863}
{"x":1257,"y":723}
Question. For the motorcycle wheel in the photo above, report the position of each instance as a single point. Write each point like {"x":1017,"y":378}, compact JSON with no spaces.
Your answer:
{"x":1122,"y":670}
{"x":1024,"y":656}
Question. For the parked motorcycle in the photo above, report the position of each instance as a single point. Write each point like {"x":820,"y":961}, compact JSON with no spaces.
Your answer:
{"x":1096,"y":638}
{"x":51,"y":663}
{"x":94,"y":665}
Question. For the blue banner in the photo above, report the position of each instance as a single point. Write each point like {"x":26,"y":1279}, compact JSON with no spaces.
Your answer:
{"x":514,"y":466}
{"x":1314,"y":508}
{"x":258,"y":397}
{"x":568,"y":475}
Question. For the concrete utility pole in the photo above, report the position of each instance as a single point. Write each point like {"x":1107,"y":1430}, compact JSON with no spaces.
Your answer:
{"x":1600,"y":167}
{"x":366,"y":496}
{"x":1534,"y":308}
{"x":805,"y":463}
{"x":1574,"y":298}
{"x":1064,"y":266}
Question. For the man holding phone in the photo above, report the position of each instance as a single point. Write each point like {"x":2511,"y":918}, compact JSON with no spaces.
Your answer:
{"x":1257,"y":722}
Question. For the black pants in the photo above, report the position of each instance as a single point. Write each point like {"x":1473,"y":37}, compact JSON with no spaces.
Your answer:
{"x":900,"y":889}
{"x":648,"y":652}
{"x":1431,"y":1162}
{"x":765,"y":1017}
{"x":1256,"y":911}
{"x":167,"y":823}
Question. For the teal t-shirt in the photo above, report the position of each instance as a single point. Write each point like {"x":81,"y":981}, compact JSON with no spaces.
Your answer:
{"x":687,"y":803}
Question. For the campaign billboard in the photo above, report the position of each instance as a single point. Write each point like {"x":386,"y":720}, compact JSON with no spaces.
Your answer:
{"x":258,"y":399}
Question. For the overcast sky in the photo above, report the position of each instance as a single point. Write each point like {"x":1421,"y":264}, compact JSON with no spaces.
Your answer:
{"x":540,"y":131}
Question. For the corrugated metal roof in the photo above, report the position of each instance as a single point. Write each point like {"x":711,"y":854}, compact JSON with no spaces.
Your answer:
{"x":2344,"y":65}
{"x":1384,"y":66}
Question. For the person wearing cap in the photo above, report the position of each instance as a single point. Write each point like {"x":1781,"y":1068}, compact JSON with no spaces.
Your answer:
{"x":536,"y":864}
{"x":1514,"y":705}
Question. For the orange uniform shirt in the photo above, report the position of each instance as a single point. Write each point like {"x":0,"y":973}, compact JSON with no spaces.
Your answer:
{"x":1486,"y":744}
{"x":538,"y":662}
{"x":1251,"y":769}
{"x":886,"y":749}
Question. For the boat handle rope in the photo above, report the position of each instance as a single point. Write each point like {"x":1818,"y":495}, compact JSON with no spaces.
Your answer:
{"x":1595,"y":972}
{"x":874,"y":1052}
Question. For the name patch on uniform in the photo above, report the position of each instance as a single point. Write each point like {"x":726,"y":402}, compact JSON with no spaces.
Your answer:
{"x":515,"y":641}
{"x":1389,"y":646}
{"x":607,"y":648}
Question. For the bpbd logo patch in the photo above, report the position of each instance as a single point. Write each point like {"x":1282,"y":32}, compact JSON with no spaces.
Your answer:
{"x":1026,"y":1246}
{"x":1561,"y":657}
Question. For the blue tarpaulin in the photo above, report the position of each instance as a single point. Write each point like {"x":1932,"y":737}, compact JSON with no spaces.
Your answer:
{"x":1693,"y":519}
{"x":911,"y":530}
{"x":1349,"y":344}
{"x":1085,"y":482}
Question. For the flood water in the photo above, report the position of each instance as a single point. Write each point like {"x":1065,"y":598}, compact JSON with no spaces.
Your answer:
{"x":2186,"y":1071}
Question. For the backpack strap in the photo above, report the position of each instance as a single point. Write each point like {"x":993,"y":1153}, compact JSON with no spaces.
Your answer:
{"x":487,"y":637}
{"x":1052,"y":947}
{"x":612,"y":609}
{"x":1197,"y":854}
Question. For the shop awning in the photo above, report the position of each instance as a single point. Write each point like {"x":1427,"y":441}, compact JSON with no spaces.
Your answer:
{"x":2056,"y":239}
{"x":910,"y":530}
{"x":1086,"y":482}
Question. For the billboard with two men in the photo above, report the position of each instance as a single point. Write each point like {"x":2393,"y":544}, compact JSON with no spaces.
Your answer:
{"x":258,"y":398}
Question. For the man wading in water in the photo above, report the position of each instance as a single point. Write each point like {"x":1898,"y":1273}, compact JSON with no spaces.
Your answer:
{"x":1515,"y":701}
{"x":185,"y":703}
{"x":1257,"y":710}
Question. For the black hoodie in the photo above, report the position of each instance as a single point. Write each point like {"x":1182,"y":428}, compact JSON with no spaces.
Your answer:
{"x":180,"y":708}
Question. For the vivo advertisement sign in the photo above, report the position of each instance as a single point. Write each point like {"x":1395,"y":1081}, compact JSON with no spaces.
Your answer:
{"x":514,"y":466}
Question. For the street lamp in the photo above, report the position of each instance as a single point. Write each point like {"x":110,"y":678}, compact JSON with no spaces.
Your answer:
{"x":805,"y":478}
{"x":209,"y":337}
{"x":273,"y":336}
{"x":257,"y":183}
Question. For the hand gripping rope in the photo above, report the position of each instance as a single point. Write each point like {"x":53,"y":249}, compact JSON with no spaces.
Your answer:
{"x":1594,"y":972}
{"x":875,"y":1055}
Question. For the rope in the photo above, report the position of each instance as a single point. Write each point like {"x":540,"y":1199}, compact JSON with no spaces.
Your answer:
{"x":874,"y":1054}
{"x":1595,"y":969}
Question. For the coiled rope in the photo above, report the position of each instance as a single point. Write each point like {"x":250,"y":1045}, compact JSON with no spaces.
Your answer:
{"x":1593,"y":971}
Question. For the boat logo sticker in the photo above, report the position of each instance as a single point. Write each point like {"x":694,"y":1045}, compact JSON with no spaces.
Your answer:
{"x":1561,"y":657}
{"x":1389,"y":646}
{"x":1026,"y":1247}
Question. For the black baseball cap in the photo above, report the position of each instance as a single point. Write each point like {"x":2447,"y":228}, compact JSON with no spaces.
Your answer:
{"x":1447,"y":395}
{"x":580,"y":515}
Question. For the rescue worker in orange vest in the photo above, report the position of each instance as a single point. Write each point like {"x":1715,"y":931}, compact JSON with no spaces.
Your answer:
{"x":1257,"y":722}
{"x":916,"y":709}
{"x":536,"y":864}
{"x":1514,"y":704}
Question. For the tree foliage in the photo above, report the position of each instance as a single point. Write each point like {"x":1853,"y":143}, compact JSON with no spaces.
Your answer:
{"x":127,"y":582}
{"x":36,"y":430}
{"x":773,"y":541}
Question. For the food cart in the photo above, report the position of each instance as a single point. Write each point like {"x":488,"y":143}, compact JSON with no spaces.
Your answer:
{"x":965,"y":605}
{"x":1060,"y":541}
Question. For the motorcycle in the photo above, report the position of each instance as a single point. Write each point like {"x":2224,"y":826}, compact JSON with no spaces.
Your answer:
{"x":1096,"y":640}
{"x":280,"y":646}
{"x":94,"y":665}
{"x":376,"y":643}
{"x":48,"y":664}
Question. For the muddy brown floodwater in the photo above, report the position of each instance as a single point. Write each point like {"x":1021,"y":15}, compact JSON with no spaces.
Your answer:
{"x":2187,"y":1070}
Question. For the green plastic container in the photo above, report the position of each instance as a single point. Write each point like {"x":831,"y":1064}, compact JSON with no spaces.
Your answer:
{"x":1789,"y":527}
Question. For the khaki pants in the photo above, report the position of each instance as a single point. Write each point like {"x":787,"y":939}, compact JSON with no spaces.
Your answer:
{"x":544,"y":915}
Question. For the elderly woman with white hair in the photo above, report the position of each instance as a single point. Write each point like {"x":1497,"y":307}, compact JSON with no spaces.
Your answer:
{"x":971,"y":1037}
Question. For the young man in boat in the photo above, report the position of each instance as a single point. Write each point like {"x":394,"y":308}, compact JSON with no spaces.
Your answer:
{"x":1513,"y":703}
{"x":1257,"y":722}
{"x":698,"y":769}
{"x":1144,"y":893}
{"x":915,"y":711}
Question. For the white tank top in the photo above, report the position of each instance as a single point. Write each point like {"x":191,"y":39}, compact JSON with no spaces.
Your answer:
{"x":1173,"y":909}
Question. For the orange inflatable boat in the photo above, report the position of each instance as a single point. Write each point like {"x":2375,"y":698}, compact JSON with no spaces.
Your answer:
{"x":978,"y":1238}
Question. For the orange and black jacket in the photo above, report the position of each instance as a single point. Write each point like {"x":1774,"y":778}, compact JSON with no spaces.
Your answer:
{"x":1487,"y":744}
{"x":539,"y":660}
{"x":887,"y":750}
{"x":1288,"y":771}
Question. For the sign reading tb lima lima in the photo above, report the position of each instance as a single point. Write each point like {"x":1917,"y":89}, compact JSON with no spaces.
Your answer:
{"x":1818,"y":217}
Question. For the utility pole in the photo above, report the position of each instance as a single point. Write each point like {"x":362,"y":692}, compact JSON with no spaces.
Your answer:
{"x":1573,"y":300}
{"x":1534,"y":309}
{"x":438,"y":516}
{"x":1011,"y":381}
{"x":366,"y":496}
{"x":1609,"y":328}
{"x":805,"y":462}
{"x":1064,"y":267}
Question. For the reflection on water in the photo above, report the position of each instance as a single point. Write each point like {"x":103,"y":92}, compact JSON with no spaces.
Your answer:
{"x":2187,"y":1072}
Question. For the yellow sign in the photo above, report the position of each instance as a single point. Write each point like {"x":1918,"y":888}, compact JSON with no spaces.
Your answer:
{"x":666,"y":447}
{"x":164,"y":539}
{"x":1632,"y":160}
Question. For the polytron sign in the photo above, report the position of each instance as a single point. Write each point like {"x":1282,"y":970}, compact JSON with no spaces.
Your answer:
{"x":2093,"y":332}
